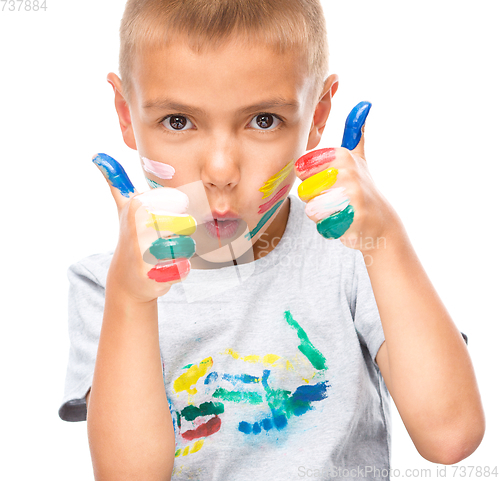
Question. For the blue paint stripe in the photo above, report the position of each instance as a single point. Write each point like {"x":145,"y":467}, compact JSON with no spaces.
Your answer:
{"x":153,"y":184}
{"x":115,"y":173}
{"x":308,"y":393}
{"x":353,"y":125}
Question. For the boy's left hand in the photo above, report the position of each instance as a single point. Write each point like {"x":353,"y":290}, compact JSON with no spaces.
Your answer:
{"x":340,"y":193}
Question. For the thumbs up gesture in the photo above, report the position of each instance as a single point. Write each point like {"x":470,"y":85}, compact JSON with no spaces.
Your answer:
{"x":154,"y":246}
{"x":339,"y":191}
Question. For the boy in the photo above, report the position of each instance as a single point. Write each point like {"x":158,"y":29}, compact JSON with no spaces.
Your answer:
{"x":288,"y":371}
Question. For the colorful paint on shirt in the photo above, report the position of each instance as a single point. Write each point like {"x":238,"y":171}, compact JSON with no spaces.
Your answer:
{"x":305,"y":347}
{"x":192,"y":376}
{"x":204,"y":430}
{"x":274,"y":407}
{"x":268,"y":359}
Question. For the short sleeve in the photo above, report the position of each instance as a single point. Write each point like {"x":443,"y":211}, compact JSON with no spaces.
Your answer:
{"x":85,"y":310}
{"x":365,"y":311}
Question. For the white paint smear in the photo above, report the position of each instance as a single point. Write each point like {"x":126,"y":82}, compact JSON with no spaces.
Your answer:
{"x":165,"y":201}
{"x":161,"y":170}
{"x":326,"y":204}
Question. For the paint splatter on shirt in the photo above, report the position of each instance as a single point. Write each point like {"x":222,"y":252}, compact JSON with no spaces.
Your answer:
{"x":270,"y":372}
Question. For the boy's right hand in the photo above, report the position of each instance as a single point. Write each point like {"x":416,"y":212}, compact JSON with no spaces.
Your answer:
{"x":154,"y":246}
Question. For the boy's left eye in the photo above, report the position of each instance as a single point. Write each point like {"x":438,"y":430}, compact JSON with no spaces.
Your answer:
{"x":266,"y":121}
{"x":262,"y":121}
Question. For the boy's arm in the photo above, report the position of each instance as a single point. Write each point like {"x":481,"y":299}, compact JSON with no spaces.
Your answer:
{"x":130,"y":430}
{"x":129,"y":425}
{"x":424,"y":359}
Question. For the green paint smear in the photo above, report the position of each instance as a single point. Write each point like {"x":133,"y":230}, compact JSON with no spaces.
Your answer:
{"x":178,"y":452}
{"x":281,"y":402}
{"x":190,"y":413}
{"x":335,"y":226}
{"x":153,"y":184}
{"x":173,"y":248}
{"x":187,"y":366}
{"x":264,"y":219}
{"x":237,"y":396}
{"x":276,"y":398}
{"x":315,"y":357}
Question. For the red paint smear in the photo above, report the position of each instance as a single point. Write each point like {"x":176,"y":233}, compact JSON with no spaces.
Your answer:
{"x":314,"y":159}
{"x":218,"y":235}
{"x":265,"y":207}
{"x":206,"y":429}
{"x":168,"y":271}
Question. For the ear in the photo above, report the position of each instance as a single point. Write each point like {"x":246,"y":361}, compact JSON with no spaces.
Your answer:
{"x":123,"y":111}
{"x":322,"y":111}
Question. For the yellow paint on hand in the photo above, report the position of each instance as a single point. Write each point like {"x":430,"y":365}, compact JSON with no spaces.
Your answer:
{"x":273,"y":183}
{"x":317,"y":184}
{"x":180,"y":225}
{"x":192,"y":376}
{"x":289,"y":366}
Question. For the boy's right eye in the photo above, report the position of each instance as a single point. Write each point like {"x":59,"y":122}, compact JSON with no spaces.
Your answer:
{"x":176,"y":123}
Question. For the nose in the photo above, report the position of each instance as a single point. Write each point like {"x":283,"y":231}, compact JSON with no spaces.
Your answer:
{"x":221,"y":166}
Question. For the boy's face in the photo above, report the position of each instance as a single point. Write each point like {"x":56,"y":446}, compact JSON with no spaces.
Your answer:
{"x":232,"y":118}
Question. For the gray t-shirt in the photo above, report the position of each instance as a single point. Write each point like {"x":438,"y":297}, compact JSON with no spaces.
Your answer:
{"x":269,"y":367}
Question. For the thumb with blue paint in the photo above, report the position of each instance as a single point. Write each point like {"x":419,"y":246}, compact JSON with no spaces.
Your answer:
{"x":354,"y":138}
{"x":119,"y":183}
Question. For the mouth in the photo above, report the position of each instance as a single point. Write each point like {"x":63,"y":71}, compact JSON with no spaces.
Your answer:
{"x":222,"y":228}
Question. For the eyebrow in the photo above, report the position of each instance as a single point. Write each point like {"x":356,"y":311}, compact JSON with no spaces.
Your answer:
{"x":166,"y":104}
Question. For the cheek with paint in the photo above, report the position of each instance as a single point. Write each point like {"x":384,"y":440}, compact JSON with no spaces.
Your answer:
{"x":274,"y":194}
{"x":158,"y":169}
{"x":327,"y":206}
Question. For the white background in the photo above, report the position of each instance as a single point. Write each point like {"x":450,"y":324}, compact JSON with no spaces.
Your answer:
{"x":430,"y":68}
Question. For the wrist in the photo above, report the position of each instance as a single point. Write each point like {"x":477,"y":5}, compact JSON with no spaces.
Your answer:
{"x":132,"y":289}
{"x":121,"y":302}
{"x":390,"y":241}
{"x":393,"y":252}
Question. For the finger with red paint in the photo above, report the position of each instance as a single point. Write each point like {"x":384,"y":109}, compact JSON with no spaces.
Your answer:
{"x":153,"y":223}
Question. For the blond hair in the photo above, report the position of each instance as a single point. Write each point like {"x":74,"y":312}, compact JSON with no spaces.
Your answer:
{"x":283,"y":25}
